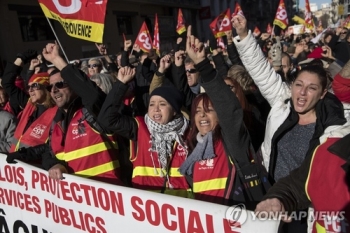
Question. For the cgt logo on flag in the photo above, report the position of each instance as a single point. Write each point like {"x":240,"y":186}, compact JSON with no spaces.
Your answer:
{"x":236,"y":215}
{"x":144,"y":39}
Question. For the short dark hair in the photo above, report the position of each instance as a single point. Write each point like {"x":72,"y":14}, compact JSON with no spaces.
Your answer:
{"x":54,"y":71}
{"x":316,"y":68}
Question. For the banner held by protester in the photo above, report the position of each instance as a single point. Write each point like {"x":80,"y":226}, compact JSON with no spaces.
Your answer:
{"x":31,"y":200}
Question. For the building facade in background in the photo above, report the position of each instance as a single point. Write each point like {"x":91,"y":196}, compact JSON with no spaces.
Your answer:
{"x":24,"y":26}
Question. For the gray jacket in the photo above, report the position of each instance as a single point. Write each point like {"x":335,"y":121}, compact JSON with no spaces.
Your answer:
{"x":8,"y":124}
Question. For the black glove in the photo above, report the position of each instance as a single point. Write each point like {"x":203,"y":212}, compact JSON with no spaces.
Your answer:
{"x":27,"y":55}
{"x":20,"y":154}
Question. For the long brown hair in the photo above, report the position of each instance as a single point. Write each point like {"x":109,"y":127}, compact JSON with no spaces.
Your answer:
{"x":191,"y":139}
{"x":246,"y":107}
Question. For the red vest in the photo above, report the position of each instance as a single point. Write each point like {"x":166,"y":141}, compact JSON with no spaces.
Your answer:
{"x":328,"y":191}
{"x":38,"y":131}
{"x":147,"y":168}
{"x":86,"y":151}
{"x":210,"y":176}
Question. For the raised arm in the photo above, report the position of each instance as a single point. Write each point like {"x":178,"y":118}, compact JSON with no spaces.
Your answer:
{"x":158,"y":78}
{"x":92,"y":96}
{"x":268,"y":81}
{"x":226,"y":104}
{"x":110,"y":117}
{"x":18,"y":98}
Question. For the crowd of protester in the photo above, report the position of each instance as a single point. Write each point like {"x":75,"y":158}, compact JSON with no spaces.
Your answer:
{"x":216,"y":124}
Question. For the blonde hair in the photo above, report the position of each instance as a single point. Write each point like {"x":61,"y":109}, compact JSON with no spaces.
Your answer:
{"x":49,"y":102}
{"x":241,"y":75}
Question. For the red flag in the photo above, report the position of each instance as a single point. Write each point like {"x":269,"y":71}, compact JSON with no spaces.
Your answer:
{"x":220,"y":43}
{"x":180,"y":27}
{"x":156,"y":36}
{"x":256,"y":31}
{"x":309,"y":23}
{"x":281,"y":18}
{"x":238,"y":10}
{"x":83,"y":21}
{"x":269,"y":28}
{"x":144,"y":39}
{"x":221,"y":24}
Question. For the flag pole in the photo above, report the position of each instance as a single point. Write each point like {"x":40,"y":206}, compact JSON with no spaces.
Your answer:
{"x":58,"y":41}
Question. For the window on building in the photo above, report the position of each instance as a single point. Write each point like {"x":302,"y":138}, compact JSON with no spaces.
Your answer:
{"x":124,"y":25}
{"x":34,"y":27}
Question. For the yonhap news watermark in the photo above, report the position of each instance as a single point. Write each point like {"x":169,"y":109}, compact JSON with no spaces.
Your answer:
{"x":238,"y":215}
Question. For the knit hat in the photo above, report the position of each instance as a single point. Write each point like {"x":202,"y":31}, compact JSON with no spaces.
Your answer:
{"x":171,"y":95}
{"x":42,"y":78}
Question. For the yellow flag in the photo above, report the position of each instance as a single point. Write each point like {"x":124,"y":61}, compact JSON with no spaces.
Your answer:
{"x":298,"y":19}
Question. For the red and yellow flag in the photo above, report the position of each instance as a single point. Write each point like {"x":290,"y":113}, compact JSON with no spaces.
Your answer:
{"x":181,"y":25}
{"x":80,"y":19}
{"x":347,"y":22}
{"x":221,"y":24}
{"x":155,"y":44}
{"x":309,"y":22}
{"x":144,"y":39}
{"x":256,"y":31}
{"x":269,"y":28}
{"x":281,"y":18}
{"x":238,"y":10}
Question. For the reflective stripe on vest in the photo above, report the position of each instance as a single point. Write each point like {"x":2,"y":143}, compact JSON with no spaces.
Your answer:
{"x":208,"y":185}
{"x":147,"y":173}
{"x":94,"y":171}
{"x":86,"y":151}
{"x":210,"y":176}
{"x":319,"y":228}
{"x":154,"y":172}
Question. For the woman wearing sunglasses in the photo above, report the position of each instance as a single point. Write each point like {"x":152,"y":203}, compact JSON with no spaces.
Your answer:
{"x":34,"y":107}
{"x":94,"y":66}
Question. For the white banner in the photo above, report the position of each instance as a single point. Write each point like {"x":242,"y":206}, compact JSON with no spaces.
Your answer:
{"x":31,"y":202}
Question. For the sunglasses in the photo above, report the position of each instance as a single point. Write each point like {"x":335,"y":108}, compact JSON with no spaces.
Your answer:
{"x":191,"y":71}
{"x":58,"y":85}
{"x":34,"y":86}
{"x":93,"y":65}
